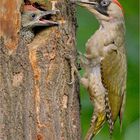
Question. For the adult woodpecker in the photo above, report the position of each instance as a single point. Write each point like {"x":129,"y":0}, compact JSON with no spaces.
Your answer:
{"x":32,"y":17}
{"x":105,"y":64}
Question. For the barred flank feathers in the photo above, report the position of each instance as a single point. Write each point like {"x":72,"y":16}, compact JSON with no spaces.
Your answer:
{"x":108,"y":114}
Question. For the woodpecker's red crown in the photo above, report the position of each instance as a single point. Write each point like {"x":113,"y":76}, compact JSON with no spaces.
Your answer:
{"x":29,"y":8}
{"x":117,"y":2}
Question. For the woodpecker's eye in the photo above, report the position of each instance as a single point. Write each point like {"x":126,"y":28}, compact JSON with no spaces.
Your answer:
{"x":105,"y":3}
{"x":33,"y":15}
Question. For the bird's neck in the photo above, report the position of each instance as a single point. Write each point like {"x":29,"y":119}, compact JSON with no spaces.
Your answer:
{"x":26,"y":29}
{"x":26,"y":35}
{"x":112,"y":24}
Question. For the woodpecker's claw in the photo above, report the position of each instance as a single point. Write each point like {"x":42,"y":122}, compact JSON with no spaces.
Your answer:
{"x":74,"y":70}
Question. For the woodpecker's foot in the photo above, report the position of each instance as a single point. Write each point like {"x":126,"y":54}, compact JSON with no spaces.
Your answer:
{"x":74,"y":71}
{"x":82,"y":60}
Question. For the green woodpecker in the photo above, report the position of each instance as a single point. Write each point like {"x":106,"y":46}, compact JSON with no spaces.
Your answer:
{"x":32,"y":17}
{"x":105,"y":64}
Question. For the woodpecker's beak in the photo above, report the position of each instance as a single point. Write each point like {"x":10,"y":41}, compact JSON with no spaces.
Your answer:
{"x":94,"y":7}
{"x":44,"y":18}
{"x":90,"y":5}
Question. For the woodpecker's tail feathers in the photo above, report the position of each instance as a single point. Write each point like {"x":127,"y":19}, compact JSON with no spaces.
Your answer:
{"x":96,"y":125}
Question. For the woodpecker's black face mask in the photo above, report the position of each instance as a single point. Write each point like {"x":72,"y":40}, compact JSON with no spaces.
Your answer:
{"x":102,"y":6}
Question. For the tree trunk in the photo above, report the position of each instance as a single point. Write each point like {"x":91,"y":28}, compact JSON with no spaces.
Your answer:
{"x":36,"y":101}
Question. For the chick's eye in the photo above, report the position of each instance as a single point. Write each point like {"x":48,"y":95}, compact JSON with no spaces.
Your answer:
{"x":33,"y":15}
{"x":105,"y":3}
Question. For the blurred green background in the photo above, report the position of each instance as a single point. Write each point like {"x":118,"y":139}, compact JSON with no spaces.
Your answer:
{"x":87,"y":26}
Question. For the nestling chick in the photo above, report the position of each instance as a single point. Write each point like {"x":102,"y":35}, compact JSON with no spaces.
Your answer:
{"x":33,"y":17}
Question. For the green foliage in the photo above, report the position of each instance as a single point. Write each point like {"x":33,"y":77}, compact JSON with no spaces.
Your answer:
{"x":87,"y":26}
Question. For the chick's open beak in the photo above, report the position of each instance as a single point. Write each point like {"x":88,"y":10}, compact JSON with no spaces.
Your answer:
{"x":45,"y":18}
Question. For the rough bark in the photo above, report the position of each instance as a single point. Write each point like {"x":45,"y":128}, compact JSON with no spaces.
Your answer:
{"x":36,"y":101}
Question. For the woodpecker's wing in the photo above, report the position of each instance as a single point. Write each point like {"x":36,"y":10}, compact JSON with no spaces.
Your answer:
{"x":113,"y":70}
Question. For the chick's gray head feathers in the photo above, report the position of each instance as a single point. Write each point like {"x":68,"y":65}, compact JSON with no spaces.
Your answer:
{"x":35,"y":17}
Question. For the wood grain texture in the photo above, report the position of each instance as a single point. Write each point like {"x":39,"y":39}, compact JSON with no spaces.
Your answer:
{"x":10,"y":22}
{"x":36,"y":101}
